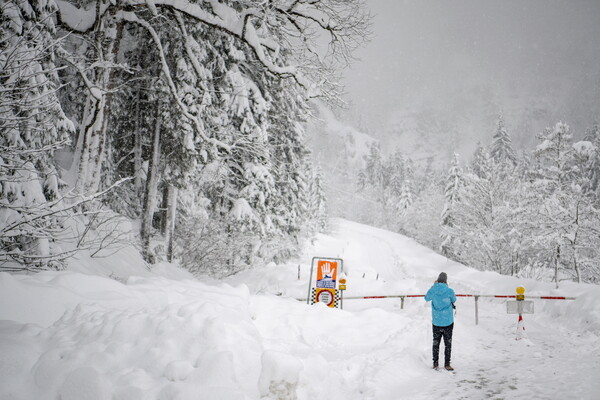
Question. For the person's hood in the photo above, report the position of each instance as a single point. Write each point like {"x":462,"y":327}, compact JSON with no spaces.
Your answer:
{"x":439,"y":288}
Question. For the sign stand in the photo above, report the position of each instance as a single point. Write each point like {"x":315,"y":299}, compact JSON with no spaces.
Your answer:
{"x":520,"y":306}
{"x":326,"y":282}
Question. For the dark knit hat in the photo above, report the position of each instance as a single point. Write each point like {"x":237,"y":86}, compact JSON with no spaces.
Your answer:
{"x":443,"y":278}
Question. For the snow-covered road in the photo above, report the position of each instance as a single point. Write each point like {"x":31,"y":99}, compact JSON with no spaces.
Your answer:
{"x":558,"y":359}
{"x":72,"y":336}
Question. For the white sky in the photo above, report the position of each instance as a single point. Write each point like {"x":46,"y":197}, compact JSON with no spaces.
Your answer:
{"x":519,"y":49}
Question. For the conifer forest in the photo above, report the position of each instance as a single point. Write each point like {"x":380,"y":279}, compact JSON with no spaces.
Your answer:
{"x":200,"y":131}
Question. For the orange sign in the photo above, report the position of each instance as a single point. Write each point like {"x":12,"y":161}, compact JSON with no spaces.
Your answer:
{"x":327,"y":274}
{"x":326,"y":290}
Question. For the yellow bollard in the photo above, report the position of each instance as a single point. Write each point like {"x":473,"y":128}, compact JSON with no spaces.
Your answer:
{"x":520,"y":293}
{"x":343,"y":282}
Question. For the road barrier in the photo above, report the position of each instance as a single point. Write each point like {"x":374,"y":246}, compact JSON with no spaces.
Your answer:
{"x":475,"y":296}
{"x":329,"y":290}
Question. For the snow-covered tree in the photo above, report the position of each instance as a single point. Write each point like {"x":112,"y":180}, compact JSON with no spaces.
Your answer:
{"x":405,"y":200}
{"x":292,"y":170}
{"x":554,"y":153}
{"x":318,"y":204}
{"x":487,"y":224}
{"x":480,"y":163}
{"x":226,"y":72}
{"x":501,"y":150}
{"x":32,"y":127}
{"x":566,"y":213}
{"x":421,"y":220}
{"x":592,"y":169}
{"x":452,"y":194}
{"x":201,"y":101}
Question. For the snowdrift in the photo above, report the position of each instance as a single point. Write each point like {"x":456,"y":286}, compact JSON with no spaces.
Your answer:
{"x":163,"y":335}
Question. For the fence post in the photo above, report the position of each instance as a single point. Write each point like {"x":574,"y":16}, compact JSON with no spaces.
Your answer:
{"x":402,"y":302}
{"x":476,"y":310}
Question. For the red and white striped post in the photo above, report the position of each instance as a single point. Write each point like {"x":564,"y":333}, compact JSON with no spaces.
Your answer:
{"x":520,"y":325}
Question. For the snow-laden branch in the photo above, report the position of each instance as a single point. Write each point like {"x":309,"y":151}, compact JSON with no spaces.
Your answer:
{"x":79,"y":19}
{"x":131,"y":17}
{"x":49,"y":209}
{"x":237,"y":23}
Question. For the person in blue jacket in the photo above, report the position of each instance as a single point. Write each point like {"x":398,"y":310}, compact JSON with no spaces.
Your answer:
{"x":442,"y":305}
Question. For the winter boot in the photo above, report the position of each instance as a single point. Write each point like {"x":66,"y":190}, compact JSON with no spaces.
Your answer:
{"x":436,"y":366}
{"x":449,"y":367}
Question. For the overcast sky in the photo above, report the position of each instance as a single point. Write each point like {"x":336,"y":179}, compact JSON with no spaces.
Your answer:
{"x":429,"y":49}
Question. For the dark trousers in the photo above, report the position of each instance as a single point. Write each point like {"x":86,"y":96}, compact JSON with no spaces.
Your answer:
{"x":440,"y":332}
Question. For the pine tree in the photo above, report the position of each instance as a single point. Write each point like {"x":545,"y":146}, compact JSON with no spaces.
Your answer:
{"x":421,"y":220}
{"x":480,"y":163}
{"x":501,"y":150}
{"x":555,"y":155}
{"x":406,"y":199}
{"x":289,"y":154}
{"x":32,"y":127}
{"x":486,"y":226}
{"x":593,"y":168}
{"x":452,"y":194}
{"x":318,"y":207}
{"x":564,"y":210}
{"x":163,"y":91}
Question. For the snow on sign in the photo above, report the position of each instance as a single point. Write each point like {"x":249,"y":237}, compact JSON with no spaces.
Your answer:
{"x":325,"y":288}
{"x":519,"y":306}
{"x":329,"y":297}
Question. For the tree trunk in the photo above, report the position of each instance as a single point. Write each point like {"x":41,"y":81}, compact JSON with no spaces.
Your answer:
{"x":576,"y":267}
{"x":557,"y":261}
{"x":91,"y":119}
{"x":79,"y":145}
{"x":164,"y":206}
{"x":574,"y":243}
{"x":97,"y":150}
{"x":85,"y":146}
{"x":170,"y":220}
{"x":151,"y":188}
{"x":137,"y":146}
{"x":99,"y":134}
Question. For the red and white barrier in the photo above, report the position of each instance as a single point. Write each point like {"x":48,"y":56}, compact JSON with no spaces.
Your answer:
{"x":475,"y":296}
{"x":463,"y":295}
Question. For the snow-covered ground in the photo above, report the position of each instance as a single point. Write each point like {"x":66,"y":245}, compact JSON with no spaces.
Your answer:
{"x":159,"y":334}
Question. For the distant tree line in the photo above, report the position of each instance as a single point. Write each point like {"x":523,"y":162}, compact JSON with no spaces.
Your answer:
{"x":186,"y":117}
{"x":533,"y":214}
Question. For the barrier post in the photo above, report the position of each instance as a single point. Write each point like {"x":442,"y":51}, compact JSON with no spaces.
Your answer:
{"x":402,"y":302}
{"x":520,"y":301}
{"x":476,"y":310}
{"x":342,"y":287}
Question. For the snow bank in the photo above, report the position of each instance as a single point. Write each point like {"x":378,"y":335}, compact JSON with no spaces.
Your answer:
{"x":153,"y":336}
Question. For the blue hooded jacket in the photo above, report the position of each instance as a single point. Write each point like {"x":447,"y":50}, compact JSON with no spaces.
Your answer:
{"x":441,"y":297}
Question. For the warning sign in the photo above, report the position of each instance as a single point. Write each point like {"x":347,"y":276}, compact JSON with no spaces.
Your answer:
{"x":327,"y":274}
{"x":323,"y":286}
{"x":519,"y":307}
{"x":329,"y":297}
{"x":326,"y":296}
